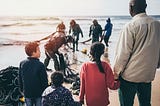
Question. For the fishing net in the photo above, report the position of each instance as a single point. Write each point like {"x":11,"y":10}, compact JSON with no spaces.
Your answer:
{"x":9,"y":87}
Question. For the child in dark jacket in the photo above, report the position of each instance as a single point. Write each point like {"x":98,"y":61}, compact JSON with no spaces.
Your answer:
{"x":32,"y":75}
{"x":57,"y":94}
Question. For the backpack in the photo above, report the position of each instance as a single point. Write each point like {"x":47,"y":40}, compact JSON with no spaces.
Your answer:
{"x":9,"y":86}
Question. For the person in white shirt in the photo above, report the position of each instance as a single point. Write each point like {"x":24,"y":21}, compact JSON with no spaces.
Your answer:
{"x":137,"y":55}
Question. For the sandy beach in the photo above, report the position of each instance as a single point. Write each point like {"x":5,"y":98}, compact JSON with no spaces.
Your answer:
{"x":155,"y":100}
{"x":12,"y":55}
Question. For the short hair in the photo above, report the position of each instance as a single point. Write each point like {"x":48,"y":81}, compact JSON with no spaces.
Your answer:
{"x":138,"y":6}
{"x":95,"y":21}
{"x":31,"y":47}
{"x":57,"y":78}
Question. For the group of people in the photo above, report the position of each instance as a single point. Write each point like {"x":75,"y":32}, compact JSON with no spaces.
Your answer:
{"x":97,"y":32}
{"x":136,"y":60}
{"x":56,"y":40}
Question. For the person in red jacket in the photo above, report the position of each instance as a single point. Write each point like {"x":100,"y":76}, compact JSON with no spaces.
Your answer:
{"x":95,"y":78}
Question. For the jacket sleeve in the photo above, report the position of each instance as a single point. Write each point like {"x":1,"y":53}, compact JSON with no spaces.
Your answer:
{"x":158,"y":66}
{"x":90,"y":30}
{"x":43,"y":77}
{"x":82,"y":85}
{"x":111,"y":83}
{"x":80,"y":30}
{"x":20,"y":78}
{"x":123,"y":50}
{"x":100,"y":30}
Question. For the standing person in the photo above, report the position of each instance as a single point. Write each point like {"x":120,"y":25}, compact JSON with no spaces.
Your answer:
{"x":95,"y":78}
{"x":56,"y":39}
{"x":95,"y":31}
{"x":108,"y":31}
{"x":75,"y":30}
{"x":32,"y":76}
{"x":57,"y":94}
{"x":137,"y":55}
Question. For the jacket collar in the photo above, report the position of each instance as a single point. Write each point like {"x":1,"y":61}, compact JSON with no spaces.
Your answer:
{"x":139,"y":15}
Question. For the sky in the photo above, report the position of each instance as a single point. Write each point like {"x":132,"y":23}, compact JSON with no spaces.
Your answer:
{"x":71,"y":7}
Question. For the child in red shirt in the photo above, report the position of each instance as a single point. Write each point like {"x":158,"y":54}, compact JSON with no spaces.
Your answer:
{"x":96,"y":77}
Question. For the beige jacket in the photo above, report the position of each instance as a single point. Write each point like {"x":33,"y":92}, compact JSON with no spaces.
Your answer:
{"x":138,"y":49}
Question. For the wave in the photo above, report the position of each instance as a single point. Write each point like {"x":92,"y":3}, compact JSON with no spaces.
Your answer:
{"x":28,"y":24}
{"x":9,"y":42}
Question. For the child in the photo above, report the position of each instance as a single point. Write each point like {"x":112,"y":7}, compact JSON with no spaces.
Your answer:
{"x":32,"y":75}
{"x":57,"y":94}
{"x":95,"y":78}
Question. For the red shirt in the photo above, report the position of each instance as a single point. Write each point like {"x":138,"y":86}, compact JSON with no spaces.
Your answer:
{"x":94,"y":84}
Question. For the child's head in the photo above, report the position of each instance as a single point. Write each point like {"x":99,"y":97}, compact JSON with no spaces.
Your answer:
{"x":97,"y":49}
{"x":32,"y":49}
{"x":57,"y":78}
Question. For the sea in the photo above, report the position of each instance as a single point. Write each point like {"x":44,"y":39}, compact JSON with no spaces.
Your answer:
{"x":17,"y":30}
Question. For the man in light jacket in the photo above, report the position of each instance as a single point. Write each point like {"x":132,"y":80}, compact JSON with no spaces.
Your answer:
{"x":137,"y":55}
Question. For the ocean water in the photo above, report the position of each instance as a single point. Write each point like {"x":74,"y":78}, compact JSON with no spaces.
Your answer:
{"x":30,"y":28}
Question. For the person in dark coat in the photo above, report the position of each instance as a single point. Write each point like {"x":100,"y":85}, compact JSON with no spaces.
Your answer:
{"x":32,"y":75}
{"x":95,"y":31}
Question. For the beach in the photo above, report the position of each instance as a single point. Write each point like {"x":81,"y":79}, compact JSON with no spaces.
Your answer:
{"x":155,"y":99}
{"x":31,"y":29}
{"x":12,"y":55}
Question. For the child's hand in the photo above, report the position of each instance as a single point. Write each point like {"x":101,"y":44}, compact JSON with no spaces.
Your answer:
{"x":116,"y":76}
{"x":82,"y":102}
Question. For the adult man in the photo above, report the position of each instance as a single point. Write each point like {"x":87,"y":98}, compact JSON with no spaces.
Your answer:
{"x":108,"y":31}
{"x":75,"y":30}
{"x":95,"y":31}
{"x":137,"y":55}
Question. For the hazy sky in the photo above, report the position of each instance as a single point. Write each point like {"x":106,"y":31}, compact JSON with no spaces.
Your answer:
{"x":72,"y":7}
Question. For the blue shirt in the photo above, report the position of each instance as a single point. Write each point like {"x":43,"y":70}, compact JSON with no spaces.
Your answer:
{"x":108,"y":29}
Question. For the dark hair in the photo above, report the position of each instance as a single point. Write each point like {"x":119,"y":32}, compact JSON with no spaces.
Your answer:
{"x":72,"y":22}
{"x":31,"y":47}
{"x":96,"y":50}
{"x":138,"y":6}
{"x":108,"y":20}
{"x":95,"y":22}
{"x":57,"y":78}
